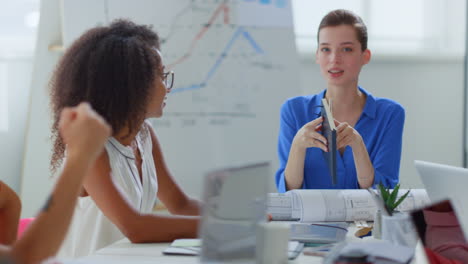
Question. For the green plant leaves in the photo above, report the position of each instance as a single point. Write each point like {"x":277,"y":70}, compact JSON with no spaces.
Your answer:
{"x":402,"y":198}
{"x":390,"y":196}
{"x":391,"y":200}
{"x":383,"y":192}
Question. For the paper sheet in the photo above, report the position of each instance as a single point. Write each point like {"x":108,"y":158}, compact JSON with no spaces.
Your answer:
{"x":334,"y":205}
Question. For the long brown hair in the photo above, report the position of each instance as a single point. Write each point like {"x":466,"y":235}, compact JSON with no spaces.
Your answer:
{"x":114,"y":69}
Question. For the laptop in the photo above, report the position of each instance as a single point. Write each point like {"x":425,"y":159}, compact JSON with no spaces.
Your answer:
{"x":446,"y":182}
{"x":436,"y":237}
{"x":234,"y":203}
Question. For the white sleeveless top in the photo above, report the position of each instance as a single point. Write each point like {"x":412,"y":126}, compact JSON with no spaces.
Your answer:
{"x":90,"y":229}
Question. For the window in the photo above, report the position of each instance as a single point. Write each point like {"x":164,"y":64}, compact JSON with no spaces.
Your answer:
{"x":18,"y":26}
{"x":396,"y":26}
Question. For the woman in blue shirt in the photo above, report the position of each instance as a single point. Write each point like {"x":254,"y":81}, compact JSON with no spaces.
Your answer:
{"x":369,"y":129}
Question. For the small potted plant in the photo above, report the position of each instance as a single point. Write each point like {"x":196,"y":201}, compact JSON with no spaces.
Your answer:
{"x":389,"y":197}
{"x":396,"y":226}
{"x":389,"y":202}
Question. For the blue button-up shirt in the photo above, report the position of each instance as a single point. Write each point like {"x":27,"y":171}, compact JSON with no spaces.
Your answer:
{"x":380,"y":126}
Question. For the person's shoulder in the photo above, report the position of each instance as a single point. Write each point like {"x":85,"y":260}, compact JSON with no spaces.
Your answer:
{"x":146,"y":127}
{"x":102,"y":162}
{"x":148,"y":132}
{"x":387,"y":104}
{"x":5,"y":191}
{"x":5,"y":188}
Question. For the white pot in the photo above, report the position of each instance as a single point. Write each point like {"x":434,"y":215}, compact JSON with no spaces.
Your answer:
{"x":399,"y":229}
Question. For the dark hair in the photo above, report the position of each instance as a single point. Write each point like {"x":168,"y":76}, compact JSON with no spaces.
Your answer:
{"x":114,"y":69}
{"x":345,"y":17}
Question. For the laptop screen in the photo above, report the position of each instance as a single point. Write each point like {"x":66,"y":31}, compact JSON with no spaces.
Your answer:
{"x":234,"y":203}
{"x":446,"y":182}
{"x":440,"y":232}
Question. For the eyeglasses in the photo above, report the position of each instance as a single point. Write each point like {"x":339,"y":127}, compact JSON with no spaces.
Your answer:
{"x":168,"y":79}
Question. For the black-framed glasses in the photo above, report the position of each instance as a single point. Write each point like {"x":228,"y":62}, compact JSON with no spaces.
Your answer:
{"x":168,"y":79}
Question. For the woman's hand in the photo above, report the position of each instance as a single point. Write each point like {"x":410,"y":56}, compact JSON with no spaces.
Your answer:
{"x":84,"y":131}
{"x":308,"y":137}
{"x":346,"y":135}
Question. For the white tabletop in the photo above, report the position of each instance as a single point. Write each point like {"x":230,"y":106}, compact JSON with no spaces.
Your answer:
{"x":125,"y":252}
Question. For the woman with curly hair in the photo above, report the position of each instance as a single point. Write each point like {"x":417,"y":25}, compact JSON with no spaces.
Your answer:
{"x":118,"y":69}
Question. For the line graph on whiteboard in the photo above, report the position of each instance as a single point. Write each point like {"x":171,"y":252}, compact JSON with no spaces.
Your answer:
{"x":223,"y":67}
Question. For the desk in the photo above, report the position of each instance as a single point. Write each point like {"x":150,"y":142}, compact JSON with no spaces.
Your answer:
{"x":124,"y":252}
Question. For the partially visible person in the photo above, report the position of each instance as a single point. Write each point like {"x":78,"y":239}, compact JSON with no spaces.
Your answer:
{"x":369,"y":129}
{"x":119,"y":70}
{"x":435,"y":258}
{"x":84,"y":132}
{"x":10,"y":211}
{"x":443,"y":234}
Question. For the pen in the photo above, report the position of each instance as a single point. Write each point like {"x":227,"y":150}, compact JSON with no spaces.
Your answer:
{"x":331,"y":226}
{"x":315,"y":254}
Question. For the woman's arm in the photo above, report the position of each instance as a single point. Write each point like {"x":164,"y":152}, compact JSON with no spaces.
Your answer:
{"x":292,"y":146}
{"x":385,"y":164}
{"x":364,"y":167}
{"x":138,"y":228}
{"x":348,"y":136}
{"x":10,"y":210}
{"x":85,"y":133}
{"x":44,"y":236}
{"x":169,"y":192}
{"x":306,"y":137}
{"x":387,"y":155}
{"x":134,"y":225}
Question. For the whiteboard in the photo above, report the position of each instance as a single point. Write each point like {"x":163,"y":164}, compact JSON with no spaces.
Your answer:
{"x":235,"y":63}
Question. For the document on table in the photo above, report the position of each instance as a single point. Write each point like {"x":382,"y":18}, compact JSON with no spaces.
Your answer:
{"x":280,"y":206}
{"x":334,"y":205}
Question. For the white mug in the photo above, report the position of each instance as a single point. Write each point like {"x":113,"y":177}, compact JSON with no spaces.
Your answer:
{"x":272,"y":243}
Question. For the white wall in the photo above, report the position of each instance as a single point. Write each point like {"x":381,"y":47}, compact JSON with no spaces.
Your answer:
{"x":431,"y":91}
{"x":18,"y":73}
